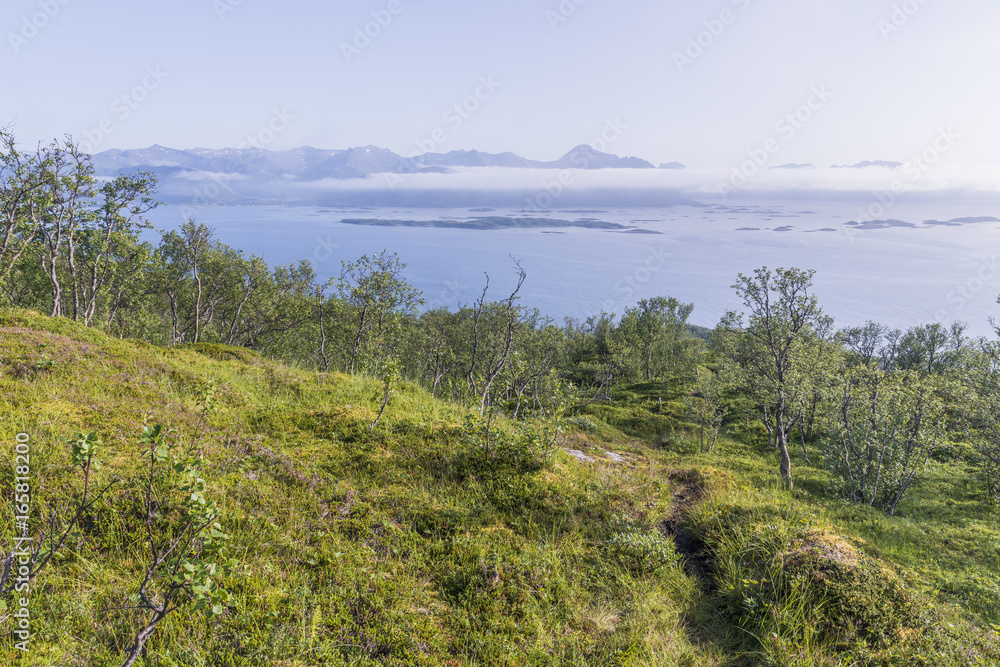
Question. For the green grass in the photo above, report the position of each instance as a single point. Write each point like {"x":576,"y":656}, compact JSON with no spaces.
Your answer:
{"x":415,"y":545}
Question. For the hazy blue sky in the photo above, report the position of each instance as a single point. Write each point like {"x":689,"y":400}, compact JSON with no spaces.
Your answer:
{"x":884,"y":77}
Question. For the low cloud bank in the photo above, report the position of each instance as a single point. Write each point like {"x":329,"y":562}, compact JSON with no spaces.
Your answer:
{"x":547,"y":188}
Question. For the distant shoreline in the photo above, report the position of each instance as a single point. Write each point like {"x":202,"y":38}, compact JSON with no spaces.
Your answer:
{"x":491,"y":222}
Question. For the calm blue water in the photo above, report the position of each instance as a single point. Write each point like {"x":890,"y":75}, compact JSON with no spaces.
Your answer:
{"x":897,"y":276}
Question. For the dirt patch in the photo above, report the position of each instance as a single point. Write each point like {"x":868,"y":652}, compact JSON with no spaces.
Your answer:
{"x":688,"y":490}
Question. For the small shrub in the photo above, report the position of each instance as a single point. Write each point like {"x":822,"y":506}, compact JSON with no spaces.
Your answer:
{"x":642,"y":553}
{"x":582,"y":423}
{"x":493,"y":451}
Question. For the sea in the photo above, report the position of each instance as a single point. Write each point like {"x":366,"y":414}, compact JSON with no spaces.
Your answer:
{"x":929,"y":261}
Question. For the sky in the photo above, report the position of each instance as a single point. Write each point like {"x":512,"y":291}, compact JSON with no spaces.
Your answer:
{"x":708,"y":84}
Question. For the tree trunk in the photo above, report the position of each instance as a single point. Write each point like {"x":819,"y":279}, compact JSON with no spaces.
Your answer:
{"x":322,"y":335}
{"x":197,"y":306}
{"x":802,"y":435}
{"x":358,"y":337}
{"x":74,"y":278}
{"x":812,"y":417}
{"x":56,"y":291}
{"x":786,"y":460}
{"x":140,"y":640}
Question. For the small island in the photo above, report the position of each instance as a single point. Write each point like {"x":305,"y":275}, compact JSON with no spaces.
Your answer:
{"x":637,"y":230}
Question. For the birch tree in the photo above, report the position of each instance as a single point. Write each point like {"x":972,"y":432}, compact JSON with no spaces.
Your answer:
{"x":776,"y":348}
{"x":888,"y":425}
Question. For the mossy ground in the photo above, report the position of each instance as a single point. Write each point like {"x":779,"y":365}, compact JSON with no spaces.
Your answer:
{"x":414,"y":545}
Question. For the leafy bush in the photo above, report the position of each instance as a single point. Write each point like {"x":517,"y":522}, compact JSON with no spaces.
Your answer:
{"x":642,"y":553}
{"x":582,"y":423}
{"x":492,"y":451}
{"x":889,"y":425}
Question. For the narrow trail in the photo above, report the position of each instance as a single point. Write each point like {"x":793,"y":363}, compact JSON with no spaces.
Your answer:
{"x":687,"y":492}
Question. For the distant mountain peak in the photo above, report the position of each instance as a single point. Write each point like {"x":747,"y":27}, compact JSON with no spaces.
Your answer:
{"x":587,"y":157}
{"x":585,"y":148}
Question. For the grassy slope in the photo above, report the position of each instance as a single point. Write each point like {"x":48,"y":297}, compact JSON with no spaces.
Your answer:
{"x":409,"y":546}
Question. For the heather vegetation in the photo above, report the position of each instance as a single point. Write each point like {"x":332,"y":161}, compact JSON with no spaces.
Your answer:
{"x":237,"y":464}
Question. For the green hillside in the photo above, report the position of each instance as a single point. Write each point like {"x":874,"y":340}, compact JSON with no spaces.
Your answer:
{"x":428,"y":540}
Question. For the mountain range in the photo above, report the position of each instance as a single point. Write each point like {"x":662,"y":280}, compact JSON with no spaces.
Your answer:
{"x":306,"y":175}
{"x":312,"y":164}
